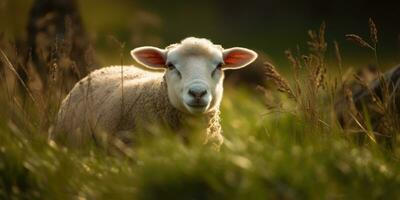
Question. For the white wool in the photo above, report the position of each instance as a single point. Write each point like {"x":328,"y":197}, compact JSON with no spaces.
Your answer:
{"x":118,"y":100}
{"x":94,"y":106}
{"x":194,"y":45}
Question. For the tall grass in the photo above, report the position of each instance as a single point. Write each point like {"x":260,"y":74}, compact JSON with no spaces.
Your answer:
{"x":280,"y":145}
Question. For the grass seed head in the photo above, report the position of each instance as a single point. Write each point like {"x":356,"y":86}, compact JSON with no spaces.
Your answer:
{"x":373,"y":31}
{"x":358,"y":41}
{"x":281,"y":83}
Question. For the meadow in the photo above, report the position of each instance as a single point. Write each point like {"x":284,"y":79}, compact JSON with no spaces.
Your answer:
{"x":283,"y":141}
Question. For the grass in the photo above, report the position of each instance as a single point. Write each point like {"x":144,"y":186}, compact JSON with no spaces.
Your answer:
{"x":260,"y":159}
{"x":283,"y":145}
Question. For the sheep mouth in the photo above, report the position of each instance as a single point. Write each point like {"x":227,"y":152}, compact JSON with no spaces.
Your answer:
{"x":197,"y":105}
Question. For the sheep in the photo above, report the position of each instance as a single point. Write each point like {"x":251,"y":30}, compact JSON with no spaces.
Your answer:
{"x":117,"y":100}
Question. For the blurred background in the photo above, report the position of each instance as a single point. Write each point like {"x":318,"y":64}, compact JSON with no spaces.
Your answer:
{"x":269,"y":26}
{"x":305,"y":143}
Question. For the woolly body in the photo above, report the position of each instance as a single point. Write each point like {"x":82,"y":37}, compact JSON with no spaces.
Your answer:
{"x":100,"y":103}
{"x":117,"y":100}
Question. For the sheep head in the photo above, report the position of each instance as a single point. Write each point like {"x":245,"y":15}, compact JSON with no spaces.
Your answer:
{"x":194,"y":71}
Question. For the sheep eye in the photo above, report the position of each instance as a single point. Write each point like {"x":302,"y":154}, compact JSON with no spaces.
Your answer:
{"x":170,"y":66}
{"x":219,"y":67}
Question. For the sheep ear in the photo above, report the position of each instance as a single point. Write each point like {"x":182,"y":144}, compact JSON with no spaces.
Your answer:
{"x":151,"y":57}
{"x":237,"y":57}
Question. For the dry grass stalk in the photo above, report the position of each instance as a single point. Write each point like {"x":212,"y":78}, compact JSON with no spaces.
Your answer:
{"x":316,"y":71}
{"x":373,"y":31}
{"x":280,"y":82}
{"x":319,"y":77}
{"x":11,"y":67}
{"x":317,"y":43}
{"x":316,"y":59}
{"x":121,"y":46}
{"x":352,"y":110}
{"x":309,"y":75}
{"x":293,"y":61}
{"x":370,"y":134}
{"x":374,"y":97}
{"x":359,"y":41}
{"x":338,"y":57}
{"x":322,"y":29}
{"x":296,"y":66}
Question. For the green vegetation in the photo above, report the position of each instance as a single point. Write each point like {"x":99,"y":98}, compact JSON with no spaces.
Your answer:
{"x":285,"y":145}
{"x":262,"y":157}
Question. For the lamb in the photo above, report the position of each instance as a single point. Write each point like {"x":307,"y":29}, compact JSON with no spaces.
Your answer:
{"x":120,"y":99}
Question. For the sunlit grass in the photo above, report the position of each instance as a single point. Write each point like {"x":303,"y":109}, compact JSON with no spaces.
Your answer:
{"x":262,"y":157}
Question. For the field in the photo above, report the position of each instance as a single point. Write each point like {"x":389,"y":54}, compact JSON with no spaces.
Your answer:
{"x":262,"y":157}
{"x":282,"y":141}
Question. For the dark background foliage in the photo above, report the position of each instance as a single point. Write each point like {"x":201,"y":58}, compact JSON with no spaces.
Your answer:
{"x":270,"y":26}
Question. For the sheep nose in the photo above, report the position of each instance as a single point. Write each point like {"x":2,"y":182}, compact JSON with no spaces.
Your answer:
{"x":197,"y":92}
